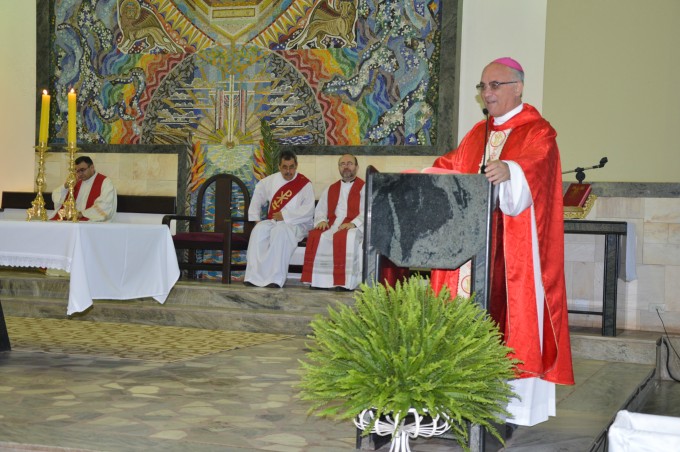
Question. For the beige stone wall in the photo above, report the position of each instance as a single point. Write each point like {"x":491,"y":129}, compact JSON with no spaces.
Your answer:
{"x":323,"y":170}
{"x":131,"y":174}
{"x":657,"y":225}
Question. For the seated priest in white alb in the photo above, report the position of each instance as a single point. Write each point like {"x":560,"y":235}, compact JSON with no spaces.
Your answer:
{"x":333,"y":257}
{"x":273,"y":240}
{"x":96,"y":198}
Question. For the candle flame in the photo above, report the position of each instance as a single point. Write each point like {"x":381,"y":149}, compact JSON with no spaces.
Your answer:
{"x":45,"y":92}
{"x":71,"y":91}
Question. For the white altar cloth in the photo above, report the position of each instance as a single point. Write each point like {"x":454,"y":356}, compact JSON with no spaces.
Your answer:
{"x":106,"y":260}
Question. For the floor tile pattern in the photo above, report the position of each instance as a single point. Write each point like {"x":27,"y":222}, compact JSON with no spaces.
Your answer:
{"x":126,"y":341}
{"x":243,"y":399}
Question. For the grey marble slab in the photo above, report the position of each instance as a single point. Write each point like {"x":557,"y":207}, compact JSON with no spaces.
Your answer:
{"x":428,"y":220}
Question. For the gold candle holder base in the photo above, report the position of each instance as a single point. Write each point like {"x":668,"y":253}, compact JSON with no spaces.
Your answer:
{"x":37,"y":210}
{"x":68,"y":211}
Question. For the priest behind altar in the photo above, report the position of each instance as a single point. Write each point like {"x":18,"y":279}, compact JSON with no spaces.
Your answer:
{"x":96,"y":198}
{"x":333,"y":255}
{"x":289,"y":217}
{"x":528,"y":294}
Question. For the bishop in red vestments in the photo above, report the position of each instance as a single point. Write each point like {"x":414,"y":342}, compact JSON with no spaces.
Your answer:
{"x":528,"y":294}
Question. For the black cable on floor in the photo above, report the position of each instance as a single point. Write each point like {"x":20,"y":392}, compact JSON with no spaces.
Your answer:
{"x":669,"y":347}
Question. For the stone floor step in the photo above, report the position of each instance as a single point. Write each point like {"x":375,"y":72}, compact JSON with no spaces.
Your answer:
{"x":293,"y":298}
{"x":150,"y":312}
{"x":631,"y":347}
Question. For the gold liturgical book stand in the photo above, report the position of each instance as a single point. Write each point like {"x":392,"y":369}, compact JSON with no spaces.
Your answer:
{"x":578,"y":199}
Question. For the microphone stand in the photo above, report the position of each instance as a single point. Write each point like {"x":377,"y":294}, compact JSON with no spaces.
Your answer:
{"x":580,"y":172}
{"x":492,"y":195}
{"x":486,"y":139}
{"x":478,"y":432}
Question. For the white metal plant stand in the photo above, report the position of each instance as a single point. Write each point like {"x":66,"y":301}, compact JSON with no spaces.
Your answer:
{"x":400,"y":430}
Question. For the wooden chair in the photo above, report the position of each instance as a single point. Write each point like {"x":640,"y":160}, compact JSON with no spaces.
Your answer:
{"x":222,"y":201}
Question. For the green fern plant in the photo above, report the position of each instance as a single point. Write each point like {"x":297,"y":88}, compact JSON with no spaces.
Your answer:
{"x":405,"y":347}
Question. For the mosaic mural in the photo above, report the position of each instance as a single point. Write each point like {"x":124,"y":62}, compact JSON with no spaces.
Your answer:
{"x":323,"y":72}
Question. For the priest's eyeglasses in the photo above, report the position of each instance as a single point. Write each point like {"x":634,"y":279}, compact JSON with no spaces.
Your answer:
{"x":493,"y":85}
{"x":82,"y":170}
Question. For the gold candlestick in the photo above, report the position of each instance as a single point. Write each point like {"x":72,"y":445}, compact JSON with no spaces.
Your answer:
{"x":38,"y":211}
{"x":68,"y":210}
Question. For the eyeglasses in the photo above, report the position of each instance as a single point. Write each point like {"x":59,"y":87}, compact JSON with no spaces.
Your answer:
{"x":493,"y":85}
{"x":82,"y":170}
{"x":346,"y":164}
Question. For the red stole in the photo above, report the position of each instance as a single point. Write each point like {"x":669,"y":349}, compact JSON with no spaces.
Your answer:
{"x":284,"y":194}
{"x":531,"y":144}
{"x":95,"y":192}
{"x":339,"y":237}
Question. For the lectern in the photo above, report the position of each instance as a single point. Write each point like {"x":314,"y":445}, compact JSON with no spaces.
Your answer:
{"x":430,"y":221}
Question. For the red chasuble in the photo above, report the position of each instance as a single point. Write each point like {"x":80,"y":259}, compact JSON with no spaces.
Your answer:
{"x":95,"y":192}
{"x":532,"y":145}
{"x":339,"y":237}
{"x":284,"y":194}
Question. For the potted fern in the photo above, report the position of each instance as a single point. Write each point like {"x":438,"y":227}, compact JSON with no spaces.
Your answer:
{"x":403,"y":352}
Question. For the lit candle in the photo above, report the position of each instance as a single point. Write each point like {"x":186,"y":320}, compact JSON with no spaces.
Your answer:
{"x":44,"y":118}
{"x":72,"y":117}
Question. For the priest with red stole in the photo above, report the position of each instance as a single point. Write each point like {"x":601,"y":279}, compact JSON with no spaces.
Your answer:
{"x":528,"y":294}
{"x":333,"y":257}
{"x":290,"y":198}
{"x":96,"y":198}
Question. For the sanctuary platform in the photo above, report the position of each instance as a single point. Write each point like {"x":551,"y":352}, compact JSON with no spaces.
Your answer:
{"x":215,"y":368}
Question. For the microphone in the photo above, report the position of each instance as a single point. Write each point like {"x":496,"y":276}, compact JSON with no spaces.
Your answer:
{"x":486,"y":138}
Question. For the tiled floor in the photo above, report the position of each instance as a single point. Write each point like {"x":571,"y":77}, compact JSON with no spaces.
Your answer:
{"x":241,"y":399}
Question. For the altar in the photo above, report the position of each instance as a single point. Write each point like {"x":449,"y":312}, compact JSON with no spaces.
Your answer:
{"x":111,"y":261}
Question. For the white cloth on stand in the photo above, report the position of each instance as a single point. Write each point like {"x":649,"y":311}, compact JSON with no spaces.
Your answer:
{"x":105,"y":261}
